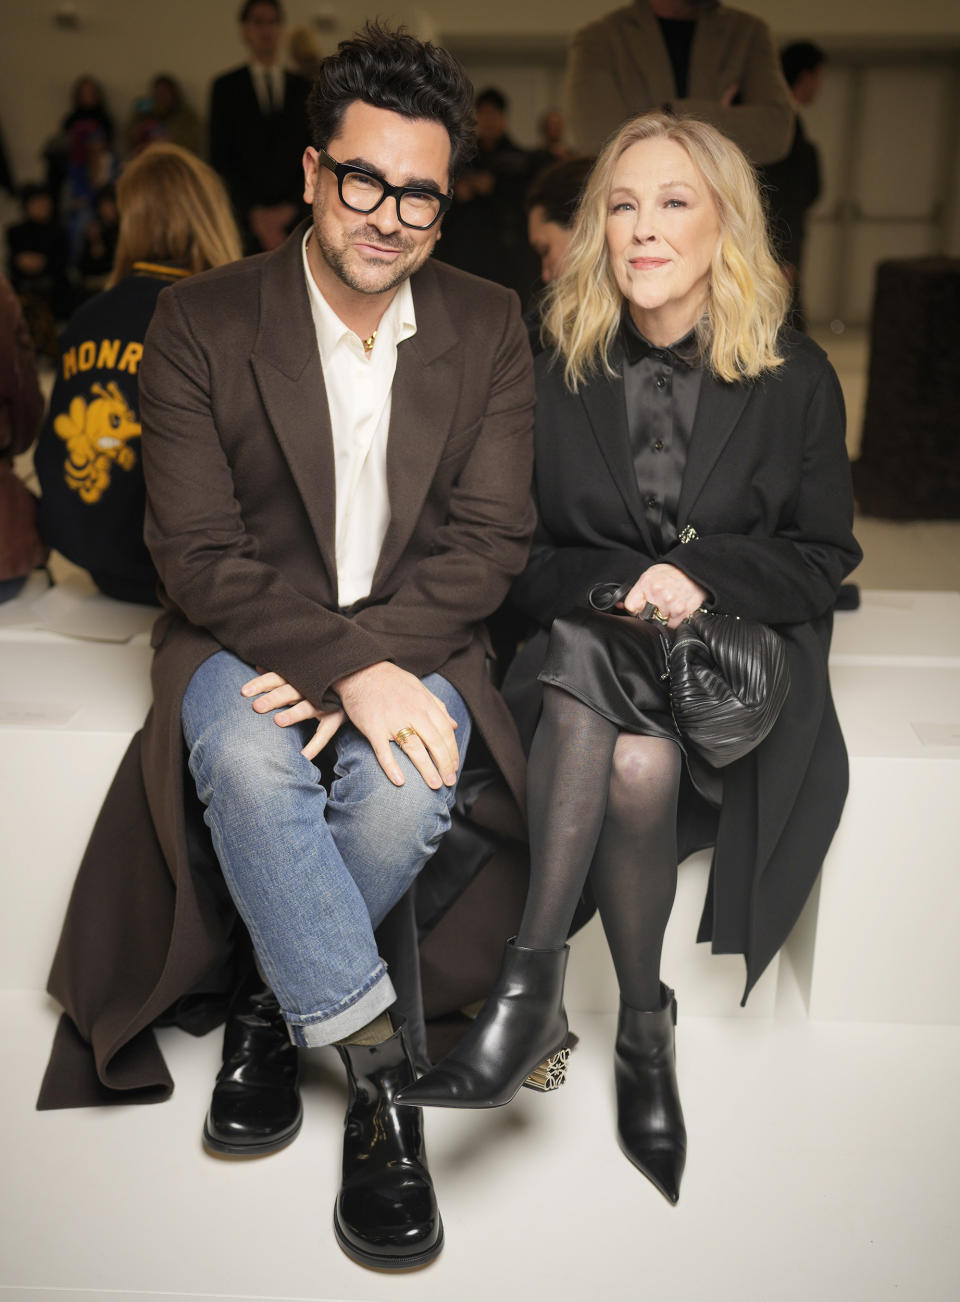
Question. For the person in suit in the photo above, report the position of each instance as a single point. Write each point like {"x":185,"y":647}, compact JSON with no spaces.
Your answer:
{"x":698,"y":58}
{"x":337,"y":446}
{"x":691,"y":448}
{"x":258,"y":131}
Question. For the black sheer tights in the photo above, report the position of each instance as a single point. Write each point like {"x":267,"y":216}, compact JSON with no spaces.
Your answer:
{"x":600,"y":797}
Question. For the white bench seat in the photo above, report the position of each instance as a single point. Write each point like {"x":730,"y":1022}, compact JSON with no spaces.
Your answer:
{"x":878,"y":939}
{"x":876,"y":943}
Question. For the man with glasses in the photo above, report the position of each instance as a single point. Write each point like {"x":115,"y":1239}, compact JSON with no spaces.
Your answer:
{"x":337,"y":443}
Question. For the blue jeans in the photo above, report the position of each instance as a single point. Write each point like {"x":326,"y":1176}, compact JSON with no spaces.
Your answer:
{"x":311,"y":871}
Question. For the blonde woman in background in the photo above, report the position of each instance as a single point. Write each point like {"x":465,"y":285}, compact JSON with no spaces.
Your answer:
{"x":691,"y":447}
{"x":175,"y":221}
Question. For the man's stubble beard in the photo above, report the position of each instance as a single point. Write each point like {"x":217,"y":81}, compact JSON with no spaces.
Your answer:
{"x":336,"y":256}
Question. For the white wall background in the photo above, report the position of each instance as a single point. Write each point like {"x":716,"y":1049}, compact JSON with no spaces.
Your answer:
{"x":124,"y":42}
{"x":517,"y":44}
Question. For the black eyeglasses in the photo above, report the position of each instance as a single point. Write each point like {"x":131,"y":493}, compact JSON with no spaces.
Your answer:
{"x":364,"y":192}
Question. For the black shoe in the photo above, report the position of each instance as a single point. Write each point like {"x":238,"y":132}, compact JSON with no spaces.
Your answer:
{"x":256,"y":1106}
{"x":386,"y":1212}
{"x":519,"y":1038}
{"x":649,"y":1117}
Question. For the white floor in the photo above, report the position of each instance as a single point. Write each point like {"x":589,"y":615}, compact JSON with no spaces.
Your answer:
{"x":822,"y":1164}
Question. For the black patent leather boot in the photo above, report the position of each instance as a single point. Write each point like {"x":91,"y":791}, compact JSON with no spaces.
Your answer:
{"x":386,"y":1213}
{"x":255,"y":1108}
{"x":519,"y":1038}
{"x":649,"y":1117}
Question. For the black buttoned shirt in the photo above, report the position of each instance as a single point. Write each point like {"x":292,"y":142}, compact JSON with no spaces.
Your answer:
{"x":661,"y":390}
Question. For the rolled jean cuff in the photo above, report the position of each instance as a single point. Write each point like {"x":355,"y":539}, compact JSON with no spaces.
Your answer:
{"x":315,"y":1030}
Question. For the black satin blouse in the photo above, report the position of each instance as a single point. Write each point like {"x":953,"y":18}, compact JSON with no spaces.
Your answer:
{"x":661,"y":390}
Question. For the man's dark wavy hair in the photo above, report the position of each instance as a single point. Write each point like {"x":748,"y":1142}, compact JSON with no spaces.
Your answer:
{"x":391,"y":69}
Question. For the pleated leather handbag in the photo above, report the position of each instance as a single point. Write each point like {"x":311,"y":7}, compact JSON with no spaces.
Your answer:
{"x":728,"y":677}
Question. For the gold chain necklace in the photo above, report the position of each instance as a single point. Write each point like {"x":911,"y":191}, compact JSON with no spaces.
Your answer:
{"x":369,"y":342}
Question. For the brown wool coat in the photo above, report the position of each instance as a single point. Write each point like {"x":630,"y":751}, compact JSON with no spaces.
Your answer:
{"x":238,"y":460}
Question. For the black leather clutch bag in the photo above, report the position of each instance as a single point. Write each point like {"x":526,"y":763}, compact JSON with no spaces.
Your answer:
{"x":728,"y":676}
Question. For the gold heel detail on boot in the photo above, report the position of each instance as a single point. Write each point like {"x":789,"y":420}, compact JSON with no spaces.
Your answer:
{"x":551,"y":1073}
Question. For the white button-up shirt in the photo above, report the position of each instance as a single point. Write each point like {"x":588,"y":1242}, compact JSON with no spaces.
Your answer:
{"x":359,"y":397}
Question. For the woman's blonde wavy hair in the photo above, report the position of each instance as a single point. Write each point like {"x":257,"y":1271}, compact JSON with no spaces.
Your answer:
{"x":173,"y":209}
{"x":747,"y":298}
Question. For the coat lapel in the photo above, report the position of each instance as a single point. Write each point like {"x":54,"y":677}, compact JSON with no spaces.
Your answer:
{"x":652,"y":55}
{"x":718,"y":411}
{"x":709,"y":49}
{"x":422,"y":408}
{"x":606,"y":410}
{"x":286,"y":363}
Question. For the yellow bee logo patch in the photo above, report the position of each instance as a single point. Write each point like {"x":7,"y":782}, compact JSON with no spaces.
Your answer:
{"x":96,"y":435}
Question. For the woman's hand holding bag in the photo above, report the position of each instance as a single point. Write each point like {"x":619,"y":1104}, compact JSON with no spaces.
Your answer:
{"x":728,"y":676}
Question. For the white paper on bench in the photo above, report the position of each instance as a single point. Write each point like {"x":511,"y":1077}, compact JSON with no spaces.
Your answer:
{"x":74,"y":685}
{"x":74,"y":608}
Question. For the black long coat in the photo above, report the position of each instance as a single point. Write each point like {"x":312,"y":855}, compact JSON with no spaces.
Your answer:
{"x":767,"y":489}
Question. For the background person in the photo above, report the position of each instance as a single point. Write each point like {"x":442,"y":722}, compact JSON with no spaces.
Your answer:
{"x":483,"y":232}
{"x":164,"y":114}
{"x":175,"y":220}
{"x":551,"y":205}
{"x":99,"y":243}
{"x":21,"y":406}
{"x":693,"y":57}
{"x":552,"y":144}
{"x":792,"y":186}
{"x":258,"y":131}
{"x":89,"y":108}
{"x":37,"y":264}
{"x":689,"y":446}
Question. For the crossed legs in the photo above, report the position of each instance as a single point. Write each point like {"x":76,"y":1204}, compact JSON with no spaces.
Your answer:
{"x":602,"y":802}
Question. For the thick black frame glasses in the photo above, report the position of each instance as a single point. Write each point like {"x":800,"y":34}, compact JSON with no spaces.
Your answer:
{"x":399,"y":193}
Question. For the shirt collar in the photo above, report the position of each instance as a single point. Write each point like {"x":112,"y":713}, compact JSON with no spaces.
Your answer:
{"x":398,"y":322}
{"x":682,"y":352}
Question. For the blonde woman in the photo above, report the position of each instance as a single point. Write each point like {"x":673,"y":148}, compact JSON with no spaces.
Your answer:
{"x":175,"y":220}
{"x":691,"y":447}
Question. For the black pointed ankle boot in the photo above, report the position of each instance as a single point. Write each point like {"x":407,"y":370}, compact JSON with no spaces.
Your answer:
{"x":649,"y":1117}
{"x":518,"y":1038}
{"x":386,"y":1212}
{"x":255,"y":1108}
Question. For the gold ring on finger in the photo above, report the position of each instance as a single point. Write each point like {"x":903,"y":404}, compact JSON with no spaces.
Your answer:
{"x":405,"y":734}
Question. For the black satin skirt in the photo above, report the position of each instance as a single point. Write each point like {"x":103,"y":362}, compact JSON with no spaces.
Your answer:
{"x":617,"y":665}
